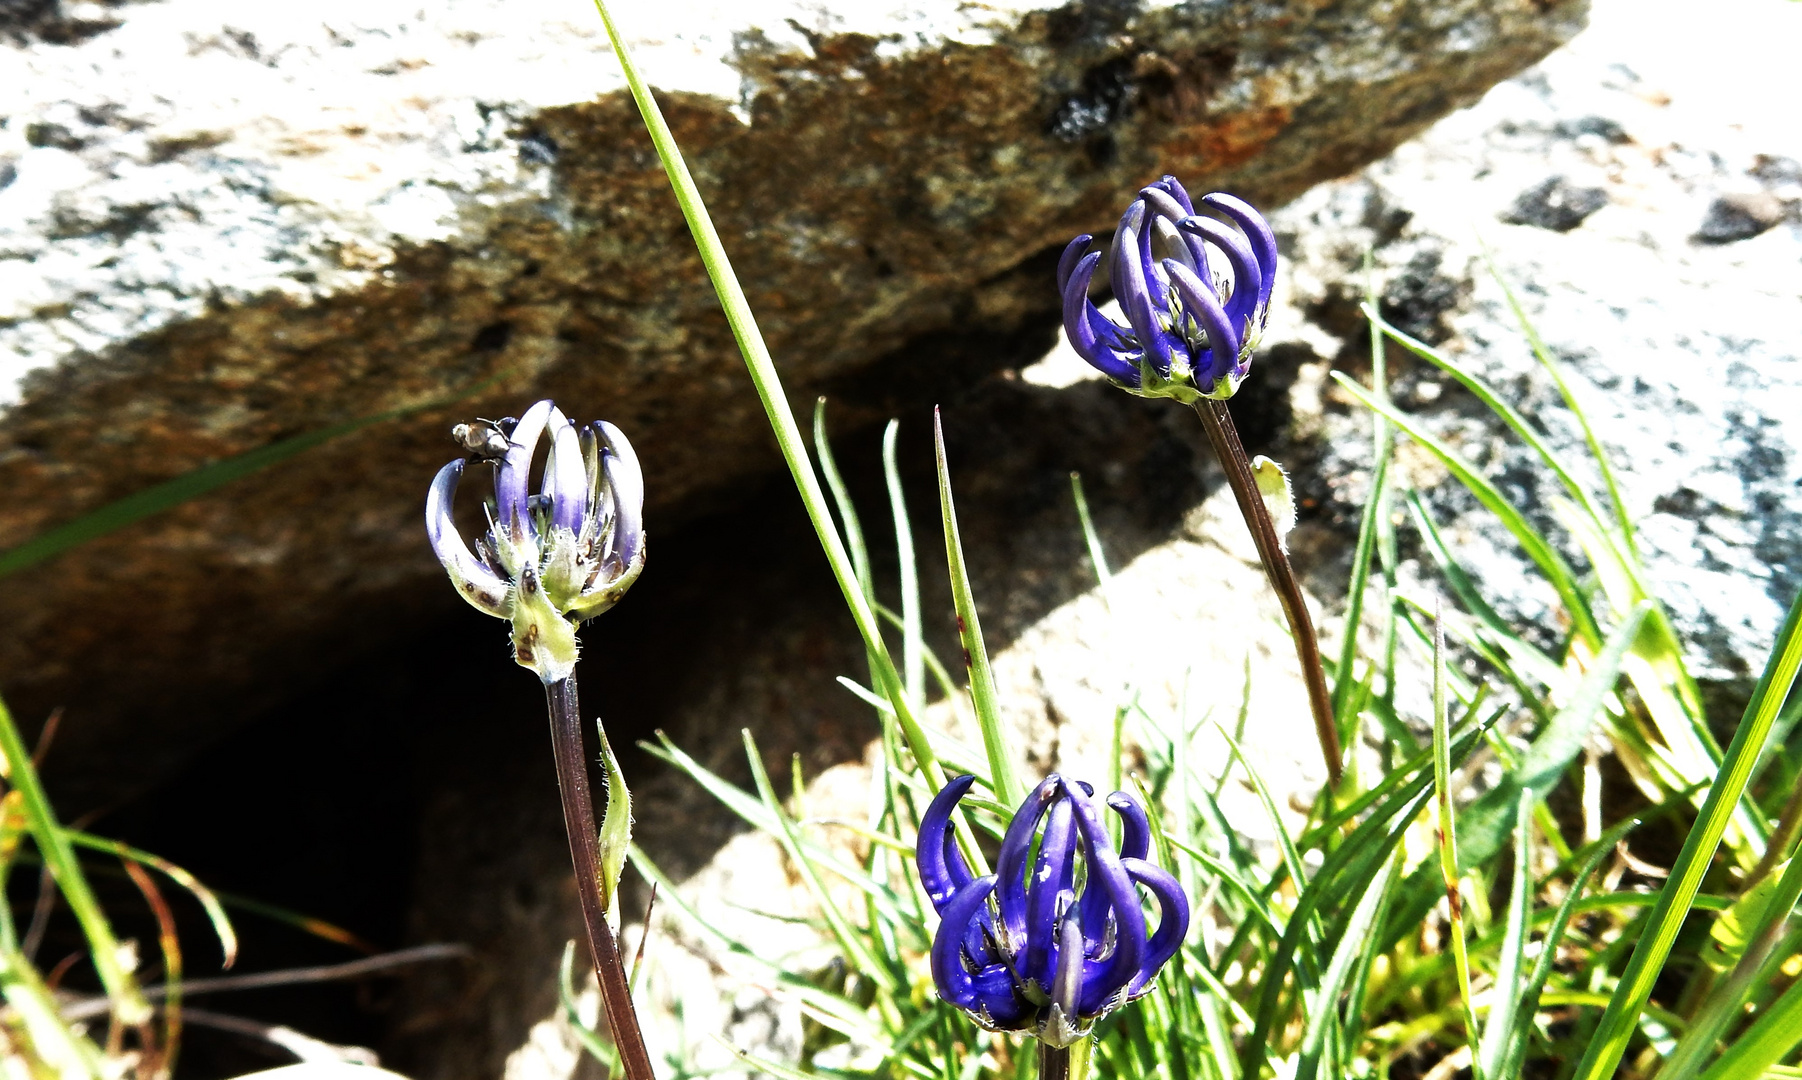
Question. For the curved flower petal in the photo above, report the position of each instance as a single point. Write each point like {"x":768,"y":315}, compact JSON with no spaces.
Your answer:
{"x":625,"y":482}
{"x":565,"y":479}
{"x":1091,"y":334}
{"x":515,"y":474}
{"x":943,"y":871}
{"x":1223,"y":340}
{"x":989,"y":991}
{"x":1173,"y":920}
{"x":1170,"y":214}
{"x":1073,"y":253}
{"x":1010,"y":863}
{"x":1105,"y":872}
{"x":475,"y":582}
{"x":1258,"y":232}
{"x":1049,"y":893}
{"x":1133,"y":289}
{"x":1135,"y":843}
{"x":1067,"y":969}
{"x":1170,"y":184}
{"x":1248,"y":277}
{"x":1135,"y":831}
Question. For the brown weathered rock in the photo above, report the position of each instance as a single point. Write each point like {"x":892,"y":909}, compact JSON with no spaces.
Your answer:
{"x":220,"y":228}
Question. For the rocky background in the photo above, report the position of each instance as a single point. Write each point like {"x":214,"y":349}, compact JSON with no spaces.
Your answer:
{"x":222,"y":225}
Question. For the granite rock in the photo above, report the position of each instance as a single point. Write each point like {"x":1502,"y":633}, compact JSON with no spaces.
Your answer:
{"x":1672,"y":300}
{"x":221,"y":225}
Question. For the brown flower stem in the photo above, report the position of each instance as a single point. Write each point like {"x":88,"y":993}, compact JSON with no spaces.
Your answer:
{"x":1225,"y":439}
{"x":1054,"y":1062}
{"x":584,"y":852}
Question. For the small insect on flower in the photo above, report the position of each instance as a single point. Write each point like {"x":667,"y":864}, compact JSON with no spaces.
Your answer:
{"x":1190,"y":331}
{"x":1054,"y":946}
{"x":551,"y":560}
{"x":489,"y":442}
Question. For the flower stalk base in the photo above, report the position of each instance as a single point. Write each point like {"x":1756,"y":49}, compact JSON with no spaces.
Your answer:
{"x":1225,"y":440}
{"x":1064,"y":1062}
{"x":584,"y":852}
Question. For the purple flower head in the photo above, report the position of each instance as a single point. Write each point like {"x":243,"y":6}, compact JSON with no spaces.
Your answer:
{"x":552,"y":559}
{"x":1055,"y":938}
{"x":1191,"y":329}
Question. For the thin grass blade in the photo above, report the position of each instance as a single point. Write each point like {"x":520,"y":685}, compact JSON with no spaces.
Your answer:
{"x":1005,"y":781}
{"x":1621,"y":1017}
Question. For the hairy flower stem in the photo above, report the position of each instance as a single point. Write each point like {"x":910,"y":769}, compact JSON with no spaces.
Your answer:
{"x":1065,"y":1063}
{"x":1231,"y":452}
{"x":585,"y":853}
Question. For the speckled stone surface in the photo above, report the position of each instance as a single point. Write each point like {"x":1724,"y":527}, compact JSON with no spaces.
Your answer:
{"x":223,"y":224}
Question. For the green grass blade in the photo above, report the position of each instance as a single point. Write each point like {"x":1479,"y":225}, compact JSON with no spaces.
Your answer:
{"x":1091,"y":539}
{"x":1750,"y":971}
{"x":1621,"y":1017}
{"x":567,"y":998}
{"x":55,"y":1045}
{"x":58,"y":852}
{"x":1765,"y":1043}
{"x":1623,"y":520}
{"x":208,"y":900}
{"x":1485,"y":823}
{"x":913,"y":640}
{"x":757,"y":814}
{"x":1548,"y":947}
{"x":841,"y":498}
{"x":1498,"y":1028}
{"x":1448,"y":841}
{"x":197,"y":482}
{"x":1347,"y":953}
{"x":857,"y":952}
{"x":1558,"y":572}
{"x":1374,"y":507}
{"x":1494,"y":401}
{"x":775,"y":402}
{"x":1004,"y":781}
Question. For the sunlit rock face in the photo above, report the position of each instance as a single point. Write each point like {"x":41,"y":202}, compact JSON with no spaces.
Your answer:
{"x":225,"y":224}
{"x":1646,"y":210}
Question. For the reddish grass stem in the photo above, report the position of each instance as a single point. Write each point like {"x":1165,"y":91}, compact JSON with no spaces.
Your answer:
{"x":1225,"y":440}
{"x":585,"y":853}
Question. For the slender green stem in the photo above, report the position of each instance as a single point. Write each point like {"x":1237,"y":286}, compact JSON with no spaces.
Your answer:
{"x":129,"y":1006}
{"x":585,"y":854}
{"x":1225,"y":439}
{"x":775,"y":402}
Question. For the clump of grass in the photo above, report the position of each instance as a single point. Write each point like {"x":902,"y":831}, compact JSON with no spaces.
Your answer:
{"x":1388,"y":954}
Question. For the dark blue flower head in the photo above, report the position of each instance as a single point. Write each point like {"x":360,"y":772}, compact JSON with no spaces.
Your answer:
{"x":1053,"y":946}
{"x":1191,"y":331}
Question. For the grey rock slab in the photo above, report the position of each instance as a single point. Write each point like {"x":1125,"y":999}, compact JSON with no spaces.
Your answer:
{"x":1673,"y":302}
{"x":224,"y":224}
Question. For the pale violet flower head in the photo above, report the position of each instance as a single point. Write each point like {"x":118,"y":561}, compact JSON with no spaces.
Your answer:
{"x":549,"y":560}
